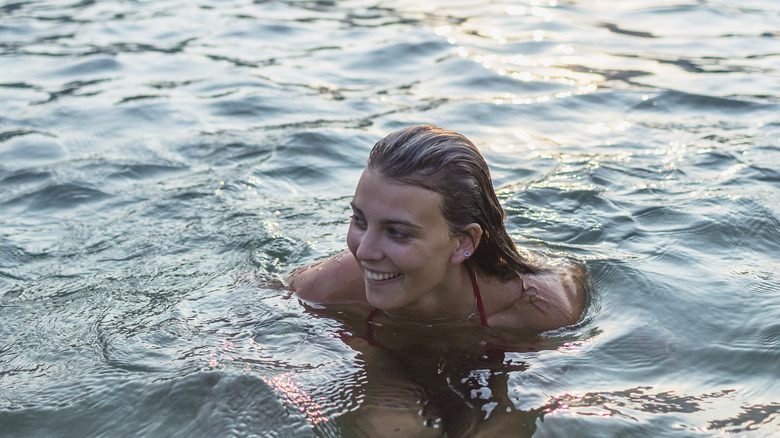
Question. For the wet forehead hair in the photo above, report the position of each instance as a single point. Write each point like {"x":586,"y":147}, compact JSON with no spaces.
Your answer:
{"x":449,"y":164}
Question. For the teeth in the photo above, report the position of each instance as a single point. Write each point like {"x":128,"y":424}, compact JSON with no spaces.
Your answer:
{"x":374,"y":276}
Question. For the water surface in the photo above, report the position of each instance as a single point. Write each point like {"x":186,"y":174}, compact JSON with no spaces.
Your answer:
{"x":163,"y":163}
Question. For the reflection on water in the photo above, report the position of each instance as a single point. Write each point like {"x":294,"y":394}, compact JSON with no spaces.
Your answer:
{"x":163,"y":163}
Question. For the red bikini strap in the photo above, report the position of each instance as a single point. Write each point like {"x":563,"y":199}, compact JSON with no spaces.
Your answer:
{"x":370,"y":330}
{"x":481,"y":308}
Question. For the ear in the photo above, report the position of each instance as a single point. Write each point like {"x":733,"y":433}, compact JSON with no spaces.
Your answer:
{"x":467,"y":241}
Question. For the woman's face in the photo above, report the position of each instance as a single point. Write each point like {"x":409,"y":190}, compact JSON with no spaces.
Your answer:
{"x":403,"y":245}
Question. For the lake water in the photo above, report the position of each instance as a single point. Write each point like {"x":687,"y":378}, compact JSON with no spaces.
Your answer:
{"x":163,"y":162}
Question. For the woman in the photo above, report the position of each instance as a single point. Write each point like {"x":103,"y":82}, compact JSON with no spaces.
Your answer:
{"x":427,"y":245}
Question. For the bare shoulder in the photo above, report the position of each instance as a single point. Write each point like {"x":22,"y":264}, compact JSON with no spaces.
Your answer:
{"x":549,"y":299}
{"x":337,"y":279}
{"x":556,"y":296}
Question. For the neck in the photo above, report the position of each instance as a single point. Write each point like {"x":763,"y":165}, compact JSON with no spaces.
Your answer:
{"x":458,"y":303}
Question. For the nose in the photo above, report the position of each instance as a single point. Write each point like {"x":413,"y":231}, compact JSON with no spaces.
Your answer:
{"x":369,"y":247}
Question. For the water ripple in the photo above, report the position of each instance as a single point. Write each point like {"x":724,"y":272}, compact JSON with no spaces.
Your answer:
{"x":162,"y":165}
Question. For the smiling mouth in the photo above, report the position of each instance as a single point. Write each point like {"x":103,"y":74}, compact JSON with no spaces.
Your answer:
{"x":381,"y":277}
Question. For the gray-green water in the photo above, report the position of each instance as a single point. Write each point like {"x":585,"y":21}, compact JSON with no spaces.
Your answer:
{"x":161,"y":160}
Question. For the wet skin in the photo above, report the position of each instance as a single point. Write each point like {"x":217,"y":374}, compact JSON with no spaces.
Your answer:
{"x":411,"y":263}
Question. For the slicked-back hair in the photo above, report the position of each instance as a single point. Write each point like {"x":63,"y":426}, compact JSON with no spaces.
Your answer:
{"x":449,"y":164}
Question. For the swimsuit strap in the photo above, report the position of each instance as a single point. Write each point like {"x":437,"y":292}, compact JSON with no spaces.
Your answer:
{"x":369,"y":329}
{"x":482,"y":315}
{"x":371,"y":314}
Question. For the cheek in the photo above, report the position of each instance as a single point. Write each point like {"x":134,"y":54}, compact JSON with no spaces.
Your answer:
{"x":353,"y":241}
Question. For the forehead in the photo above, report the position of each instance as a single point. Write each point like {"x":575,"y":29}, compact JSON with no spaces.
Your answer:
{"x":389,"y":199}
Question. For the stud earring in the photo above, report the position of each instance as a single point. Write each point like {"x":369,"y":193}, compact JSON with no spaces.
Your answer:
{"x":467,"y":254}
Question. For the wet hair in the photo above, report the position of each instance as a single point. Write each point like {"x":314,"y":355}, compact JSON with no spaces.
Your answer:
{"x":449,"y":164}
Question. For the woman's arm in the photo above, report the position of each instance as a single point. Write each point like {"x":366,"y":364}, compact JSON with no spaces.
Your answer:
{"x":338,"y":279}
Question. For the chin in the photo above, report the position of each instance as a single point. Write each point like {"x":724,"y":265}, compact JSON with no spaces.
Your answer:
{"x":379,"y":299}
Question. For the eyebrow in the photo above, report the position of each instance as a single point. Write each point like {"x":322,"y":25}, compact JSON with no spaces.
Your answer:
{"x":388,"y":221}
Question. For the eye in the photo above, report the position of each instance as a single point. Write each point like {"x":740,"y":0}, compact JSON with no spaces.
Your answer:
{"x":398,"y":234}
{"x":358,"y":221}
